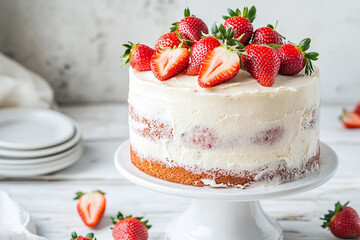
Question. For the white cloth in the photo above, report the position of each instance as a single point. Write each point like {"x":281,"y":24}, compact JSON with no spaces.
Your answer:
{"x":21,"y":87}
{"x":15,"y":222}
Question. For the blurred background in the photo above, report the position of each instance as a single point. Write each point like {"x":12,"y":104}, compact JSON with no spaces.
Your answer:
{"x":76,"y":45}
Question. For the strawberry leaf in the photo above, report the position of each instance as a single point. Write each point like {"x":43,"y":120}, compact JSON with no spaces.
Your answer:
{"x":78,"y":195}
{"x":305,"y":44}
{"x":232,"y":13}
{"x":312,"y":55}
{"x":90,"y":235}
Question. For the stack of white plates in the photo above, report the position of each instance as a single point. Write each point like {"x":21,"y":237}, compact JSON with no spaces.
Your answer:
{"x":37,"y":141}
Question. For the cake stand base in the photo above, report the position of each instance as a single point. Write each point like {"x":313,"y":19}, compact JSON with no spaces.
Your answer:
{"x":214,"y":220}
{"x":226,"y":213}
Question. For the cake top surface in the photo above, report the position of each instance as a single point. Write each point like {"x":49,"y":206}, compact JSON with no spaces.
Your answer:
{"x":242,"y":83}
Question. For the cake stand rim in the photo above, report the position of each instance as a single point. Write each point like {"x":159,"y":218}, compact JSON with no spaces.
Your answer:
{"x":328,"y":167}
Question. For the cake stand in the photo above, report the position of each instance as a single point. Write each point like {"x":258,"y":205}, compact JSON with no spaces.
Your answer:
{"x":226,"y":213}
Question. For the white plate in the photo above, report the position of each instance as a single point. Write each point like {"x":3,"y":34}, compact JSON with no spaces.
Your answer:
{"x":8,"y":153}
{"x":56,"y":162}
{"x":328,"y":166}
{"x":33,"y":128}
{"x":34,"y":161}
{"x":45,"y":169}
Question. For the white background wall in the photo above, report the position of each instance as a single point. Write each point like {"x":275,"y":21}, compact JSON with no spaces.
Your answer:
{"x":76,"y":44}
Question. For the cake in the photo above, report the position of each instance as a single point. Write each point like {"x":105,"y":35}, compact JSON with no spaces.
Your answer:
{"x":197,"y":118}
{"x":233,"y":134}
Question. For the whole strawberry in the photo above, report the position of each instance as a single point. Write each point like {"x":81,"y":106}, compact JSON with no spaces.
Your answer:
{"x":91,"y":206}
{"x":198,"y":53}
{"x":191,"y":27}
{"x":343,"y":222}
{"x":267,"y":35}
{"x":262,"y":62}
{"x":139,"y":56}
{"x":241,"y":23}
{"x":130,"y":228}
{"x":295,"y":58}
{"x":169,"y":40}
{"x":89,"y":236}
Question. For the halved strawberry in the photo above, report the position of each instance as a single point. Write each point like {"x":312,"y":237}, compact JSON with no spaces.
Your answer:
{"x":350,"y":119}
{"x":357,"y":108}
{"x":220,"y":65}
{"x":169,"y":40}
{"x":91,"y":206}
{"x":89,"y":236}
{"x":166,"y":63}
{"x":198,"y":53}
{"x":262,"y":62}
{"x":191,"y":27}
{"x":139,"y":56}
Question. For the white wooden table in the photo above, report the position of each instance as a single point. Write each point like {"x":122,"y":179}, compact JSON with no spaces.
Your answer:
{"x":49,"y":198}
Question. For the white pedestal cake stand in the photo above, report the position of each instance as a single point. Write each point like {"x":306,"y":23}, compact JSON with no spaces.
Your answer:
{"x":226,"y":213}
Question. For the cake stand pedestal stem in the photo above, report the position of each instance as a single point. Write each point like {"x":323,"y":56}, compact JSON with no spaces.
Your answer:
{"x":225,"y":220}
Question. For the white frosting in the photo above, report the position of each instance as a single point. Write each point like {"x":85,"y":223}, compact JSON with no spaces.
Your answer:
{"x":239,"y":113}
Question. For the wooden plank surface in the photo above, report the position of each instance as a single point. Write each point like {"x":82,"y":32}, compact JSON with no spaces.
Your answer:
{"x":49,"y":198}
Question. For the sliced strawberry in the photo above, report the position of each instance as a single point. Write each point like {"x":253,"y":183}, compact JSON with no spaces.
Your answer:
{"x":166,"y":63}
{"x":191,"y":27}
{"x":89,"y":236}
{"x":350,"y":119}
{"x":129,"y":228}
{"x":220,"y":65}
{"x":357,"y":109}
{"x":198,"y":53}
{"x":169,"y":40}
{"x":139,"y":56}
{"x":262,"y":62}
{"x":91,"y":207}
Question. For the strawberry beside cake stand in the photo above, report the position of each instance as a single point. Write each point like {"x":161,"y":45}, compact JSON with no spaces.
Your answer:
{"x":226,"y":213}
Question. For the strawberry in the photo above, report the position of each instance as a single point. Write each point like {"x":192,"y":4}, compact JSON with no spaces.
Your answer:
{"x":169,"y":40}
{"x":89,"y":236}
{"x":294,"y":58}
{"x":343,"y":222}
{"x":220,"y":65}
{"x":139,"y":56}
{"x":166,"y":63}
{"x":190,"y":26}
{"x":350,"y":119}
{"x":223,"y":62}
{"x":267,"y":35}
{"x":130,"y":228}
{"x":357,"y":109}
{"x":91,"y":206}
{"x":262,"y":62}
{"x":241,"y":23}
{"x":198,"y":53}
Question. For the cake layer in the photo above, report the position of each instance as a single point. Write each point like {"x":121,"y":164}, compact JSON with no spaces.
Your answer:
{"x":220,"y":178}
{"x":238,"y":125}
